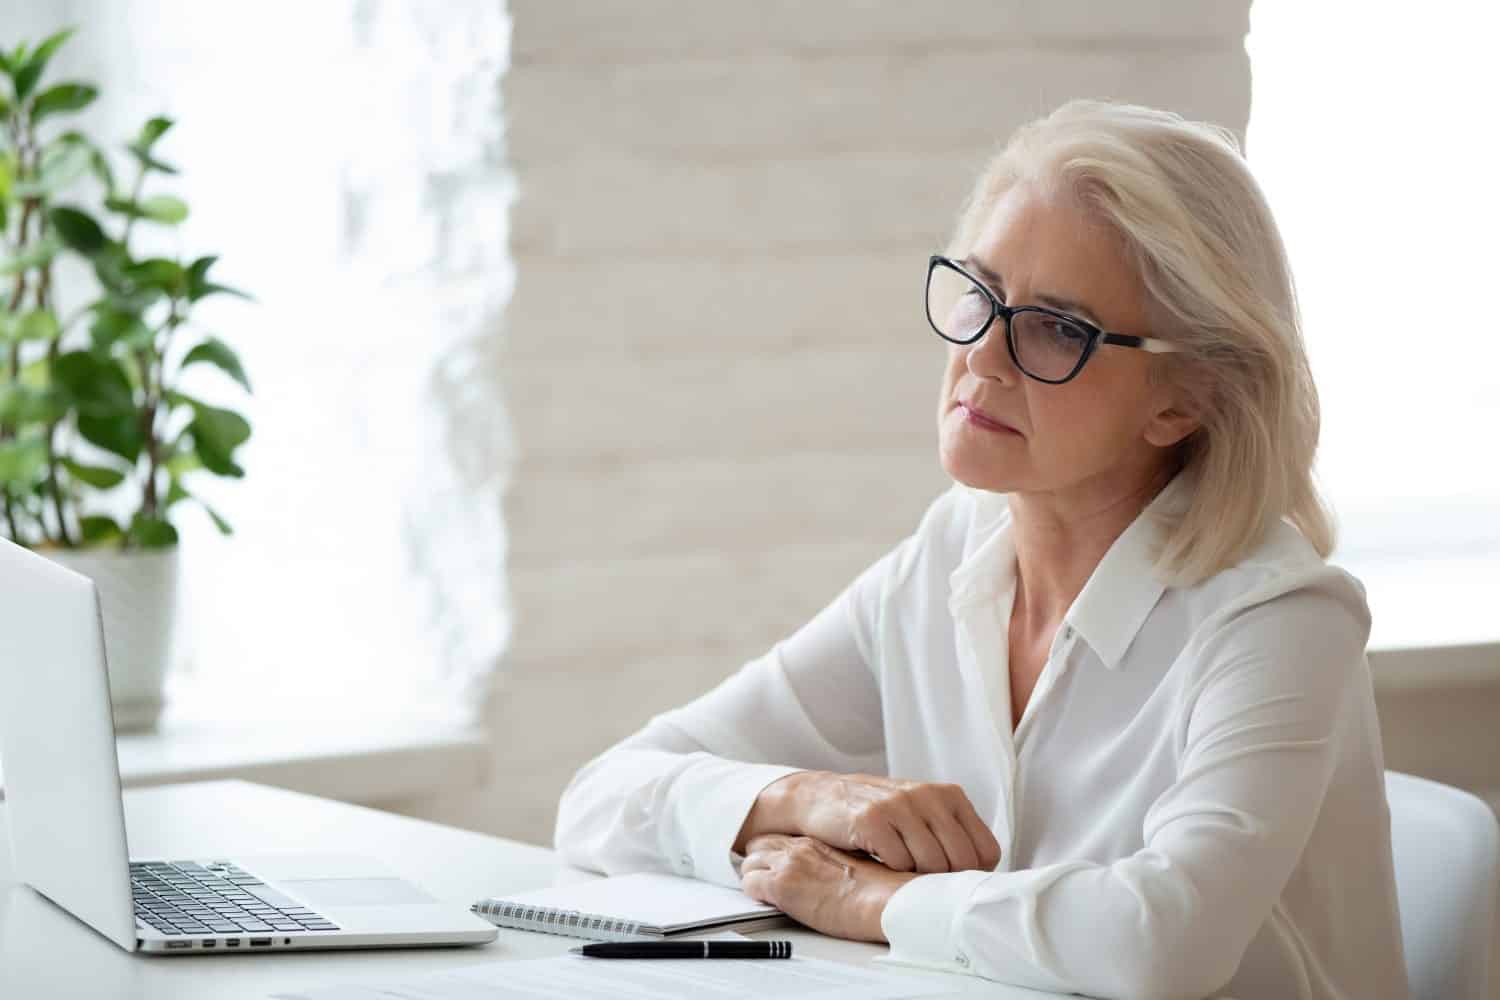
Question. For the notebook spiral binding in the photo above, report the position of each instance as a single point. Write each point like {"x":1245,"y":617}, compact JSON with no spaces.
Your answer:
{"x":550,"y":920}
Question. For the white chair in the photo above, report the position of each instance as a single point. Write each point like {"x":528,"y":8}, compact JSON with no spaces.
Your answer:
{"x":1447,"y":851}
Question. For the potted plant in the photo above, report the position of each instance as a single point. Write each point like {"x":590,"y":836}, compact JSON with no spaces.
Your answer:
{"x":99,"y":444}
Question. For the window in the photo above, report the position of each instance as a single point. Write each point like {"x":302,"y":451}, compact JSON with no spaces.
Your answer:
{"x":344,"y":159}
{"x":1370,"y":131}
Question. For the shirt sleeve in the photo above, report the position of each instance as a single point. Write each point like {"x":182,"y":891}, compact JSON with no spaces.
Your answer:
{"x":1259,"y":739}
{"x":674,"y":796}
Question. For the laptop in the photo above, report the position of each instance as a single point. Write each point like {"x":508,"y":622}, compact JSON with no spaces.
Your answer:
{"x":67,"y":821}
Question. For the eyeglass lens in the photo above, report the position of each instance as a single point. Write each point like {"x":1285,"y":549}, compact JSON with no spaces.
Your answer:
{"x":1046,"y":346}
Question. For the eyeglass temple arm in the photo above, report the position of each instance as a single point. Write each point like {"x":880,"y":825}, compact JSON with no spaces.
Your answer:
{"x":1150,"y":344}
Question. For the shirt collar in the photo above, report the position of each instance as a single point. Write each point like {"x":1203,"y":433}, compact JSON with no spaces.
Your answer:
{"x":1119,"y":594}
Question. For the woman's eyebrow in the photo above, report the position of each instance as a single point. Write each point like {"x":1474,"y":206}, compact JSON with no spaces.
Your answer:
{"x":1059,"y":302}
{"x":974,"y":263}
{"x":1072,"y":308}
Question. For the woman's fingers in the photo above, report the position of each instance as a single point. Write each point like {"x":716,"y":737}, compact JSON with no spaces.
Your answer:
{"x":986,"y":847}
{"x":923,"y":845}
{"x":956,"y":842}
{"x":887,"y":844}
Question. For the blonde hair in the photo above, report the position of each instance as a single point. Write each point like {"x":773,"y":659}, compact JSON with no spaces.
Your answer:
{"x":1201,"y":237}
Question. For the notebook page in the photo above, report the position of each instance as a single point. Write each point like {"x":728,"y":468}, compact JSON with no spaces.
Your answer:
{"x":649,"y":898}
{"x":576,"y":978}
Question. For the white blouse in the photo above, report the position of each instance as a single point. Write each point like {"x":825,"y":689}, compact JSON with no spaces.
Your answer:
{"x":1193,"y":801}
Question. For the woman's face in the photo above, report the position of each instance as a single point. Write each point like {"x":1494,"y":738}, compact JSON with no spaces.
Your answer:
{"x":1107,"y":429}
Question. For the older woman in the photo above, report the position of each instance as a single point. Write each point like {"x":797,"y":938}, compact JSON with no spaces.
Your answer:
{"x":1103,"y":723}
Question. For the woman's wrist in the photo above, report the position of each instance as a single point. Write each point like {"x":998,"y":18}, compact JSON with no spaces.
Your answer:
{"x":777,"y":809}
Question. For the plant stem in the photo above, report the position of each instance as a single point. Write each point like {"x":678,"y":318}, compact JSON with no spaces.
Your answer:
{"x":10,"y":518}
{"x":18,"y":294}
{"x":135,"y":198}
{"x":153,"y":376}
{"x":54,"y":481}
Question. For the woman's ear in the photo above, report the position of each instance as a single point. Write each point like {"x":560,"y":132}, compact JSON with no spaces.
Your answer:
{"x":1170,"y":424}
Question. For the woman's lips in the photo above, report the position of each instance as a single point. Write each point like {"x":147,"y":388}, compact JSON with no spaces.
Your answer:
{"x":978,"y":419}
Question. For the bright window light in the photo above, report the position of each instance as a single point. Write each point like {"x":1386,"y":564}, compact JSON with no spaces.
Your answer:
{"x":1372,"y":132}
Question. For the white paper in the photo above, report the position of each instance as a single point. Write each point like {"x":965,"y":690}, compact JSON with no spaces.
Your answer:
{"x":573,"y":977}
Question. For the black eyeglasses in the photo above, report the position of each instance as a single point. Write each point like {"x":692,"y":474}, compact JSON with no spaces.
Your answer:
{"x":1045,"y":344}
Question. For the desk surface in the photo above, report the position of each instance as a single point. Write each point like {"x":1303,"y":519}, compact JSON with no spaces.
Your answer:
{"x":44,"y":952}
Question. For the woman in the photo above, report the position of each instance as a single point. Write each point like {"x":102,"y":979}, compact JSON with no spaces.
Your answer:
{"x":1103,"y":723}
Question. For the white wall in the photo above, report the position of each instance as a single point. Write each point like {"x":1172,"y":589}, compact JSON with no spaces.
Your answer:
{"x":723,"y":388}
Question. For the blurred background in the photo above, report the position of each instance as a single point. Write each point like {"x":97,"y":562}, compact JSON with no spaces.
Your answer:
{"x":588,"y":354}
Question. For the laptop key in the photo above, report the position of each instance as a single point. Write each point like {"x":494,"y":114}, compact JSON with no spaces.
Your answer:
{"x":253,"y":925}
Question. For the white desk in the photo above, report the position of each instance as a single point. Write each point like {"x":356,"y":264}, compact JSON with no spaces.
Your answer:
{"x":45,"y":953}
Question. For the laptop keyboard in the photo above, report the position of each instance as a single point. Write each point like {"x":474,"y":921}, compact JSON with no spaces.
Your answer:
{"x":186,"y":898}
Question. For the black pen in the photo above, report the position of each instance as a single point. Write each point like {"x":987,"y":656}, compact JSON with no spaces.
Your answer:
{"x":687,"y":949}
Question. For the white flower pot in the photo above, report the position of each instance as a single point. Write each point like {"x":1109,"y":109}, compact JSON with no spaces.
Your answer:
{"x":138,"y":593}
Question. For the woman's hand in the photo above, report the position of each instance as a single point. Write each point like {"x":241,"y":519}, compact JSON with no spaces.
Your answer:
{"x":822,"y":887}
{"x":908,"y":825}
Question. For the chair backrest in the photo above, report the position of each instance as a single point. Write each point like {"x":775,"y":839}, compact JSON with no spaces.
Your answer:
{"x":1446,"y":846}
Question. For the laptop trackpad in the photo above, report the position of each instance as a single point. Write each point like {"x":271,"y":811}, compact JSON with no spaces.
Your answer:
{"x":320,"y":892}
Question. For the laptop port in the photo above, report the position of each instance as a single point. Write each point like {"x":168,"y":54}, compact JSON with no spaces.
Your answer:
{"x":209,"y":943}
{"x":232,"y":943}
{"x":179,"y":944}
{"x":260,"y":942}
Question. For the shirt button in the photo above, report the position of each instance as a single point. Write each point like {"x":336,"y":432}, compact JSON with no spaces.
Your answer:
{"x":962,"y":959}
{"x":685,"y":862}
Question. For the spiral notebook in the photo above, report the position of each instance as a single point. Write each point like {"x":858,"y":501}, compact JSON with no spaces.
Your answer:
{"x":631,"y":908}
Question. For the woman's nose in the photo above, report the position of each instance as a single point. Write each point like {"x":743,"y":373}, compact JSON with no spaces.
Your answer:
{"x":989,"y":357}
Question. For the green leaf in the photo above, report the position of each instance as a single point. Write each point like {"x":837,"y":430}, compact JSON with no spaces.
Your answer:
{"x":98,"y":164}
{"x":209,"y":288}
{"x":27,"y":70}
{"x":114,"y":325}
{"x":216,"y":434}
{"x":77,"y":229}
{"x":98,"y":529}
{"x":23,"y":460}
{"x":151,"y":532}
{"x":175,"y":494}
{"x":112,"y":266}
{"x":149,"y":162}
{"x":158,"y":208}
{"x":39,"y":324}
{"x":21,"y":405}
{"x":153,"y":130}
{"x":183,"y":461}
{"x":118,"y":435}
{"x":159,"y":273}
{"x":219,"y":522}
{"x":62,"y":164}
{"x":95,"y":475}
{"x":219,"y":354}
{"x":199,"y":286}
{"x":165,"y":209}
{"x":39,"y":253}
{"x":61,"y":98}
{"x":197,"y":272}
{"x":98,"y":385}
